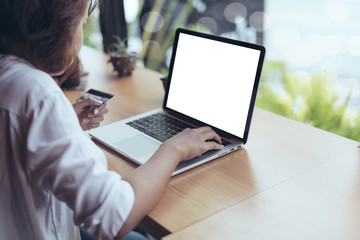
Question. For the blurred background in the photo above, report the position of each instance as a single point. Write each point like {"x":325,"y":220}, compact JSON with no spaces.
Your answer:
{"x":313,"y":48}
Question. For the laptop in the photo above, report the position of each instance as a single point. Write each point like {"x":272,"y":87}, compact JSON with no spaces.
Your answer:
{"x":212,"y":81}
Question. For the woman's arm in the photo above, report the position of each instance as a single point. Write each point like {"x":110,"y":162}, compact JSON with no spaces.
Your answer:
{"x":150,"y":180}
{"x":88,"y":115}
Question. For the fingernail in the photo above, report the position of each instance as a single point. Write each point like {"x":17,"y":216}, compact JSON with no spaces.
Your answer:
{"x":96,"y":111}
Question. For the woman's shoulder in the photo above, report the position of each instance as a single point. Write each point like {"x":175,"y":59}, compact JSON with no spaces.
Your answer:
{"x":22,"y":86}
{"x":16,"y":71}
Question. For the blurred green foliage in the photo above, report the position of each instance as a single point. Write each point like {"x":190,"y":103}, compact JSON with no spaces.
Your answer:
{"x":151,"y":55}
{"x":88,"y":30}
{"x":92,"y":35}
{"x":308,"y":99}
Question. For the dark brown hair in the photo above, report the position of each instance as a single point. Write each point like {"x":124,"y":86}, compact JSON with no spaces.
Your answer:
{"x":42,"y":32}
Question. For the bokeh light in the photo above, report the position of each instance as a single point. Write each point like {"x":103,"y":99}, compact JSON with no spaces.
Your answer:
{"x":152,"y":21}
{"x":234,"y":10}
{"x":152,"y":46}
{"x":285,"y":40}
{"x":345,"y":86}
{"x":338,"y":11}
{"x":353,"y":45}
{"x":200,"y":6}
{"x":309,"y":49}
{"x":259,"y":21}
{"x":209,"y":23}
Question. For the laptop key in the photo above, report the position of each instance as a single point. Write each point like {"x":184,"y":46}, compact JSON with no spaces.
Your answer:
{"x":156,"y":136}
{"x":161,"y":127}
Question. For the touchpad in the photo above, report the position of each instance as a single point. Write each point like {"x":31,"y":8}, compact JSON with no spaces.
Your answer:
{"x":137,"y":146}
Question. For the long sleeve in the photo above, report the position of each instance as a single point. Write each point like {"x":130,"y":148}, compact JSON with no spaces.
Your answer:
{"x":63,"y":160}
{"x":47,"y":160}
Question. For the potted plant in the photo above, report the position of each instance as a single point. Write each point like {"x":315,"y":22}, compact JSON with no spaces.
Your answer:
{"x":122,"y":60}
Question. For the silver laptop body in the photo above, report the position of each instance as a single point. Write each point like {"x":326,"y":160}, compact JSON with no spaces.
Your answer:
{"x":212,"y":81}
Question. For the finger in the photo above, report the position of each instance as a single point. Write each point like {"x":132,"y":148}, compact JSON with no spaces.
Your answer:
{"x":103,"y":109}
{"x":210,"y":134}
{"x":93,"y":112}
{"x":89,"y":126}
{"x":213,"y":145}
{"x":98,"y":111}
{"x":94,"y":125}
{"x":94,"y":102}
{"x":93,"y":120}
{"x":217,"y":138}
{"x":204,"y":129}
{"x":84,"y":126}
{"x":88,"y":102}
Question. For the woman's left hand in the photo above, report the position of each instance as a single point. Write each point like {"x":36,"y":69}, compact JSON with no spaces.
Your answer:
{"x":90,"y":116}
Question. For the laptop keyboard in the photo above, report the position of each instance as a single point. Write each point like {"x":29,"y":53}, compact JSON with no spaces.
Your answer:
{"x":161,"y":126}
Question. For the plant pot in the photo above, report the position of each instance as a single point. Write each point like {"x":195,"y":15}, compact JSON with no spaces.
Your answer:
{"x":123,"y":64}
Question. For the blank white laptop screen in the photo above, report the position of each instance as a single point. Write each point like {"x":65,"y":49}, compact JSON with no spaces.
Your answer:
{"x":213,"y":80}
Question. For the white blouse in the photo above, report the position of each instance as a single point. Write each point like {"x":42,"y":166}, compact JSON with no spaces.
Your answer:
{"x":52,"y":176}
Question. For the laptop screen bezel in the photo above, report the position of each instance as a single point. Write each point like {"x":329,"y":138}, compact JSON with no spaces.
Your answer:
{"x":254,"y":90}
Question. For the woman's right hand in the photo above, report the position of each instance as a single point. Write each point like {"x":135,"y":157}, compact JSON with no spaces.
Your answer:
{"x":192,"y":142}
{"x":150,"y":179}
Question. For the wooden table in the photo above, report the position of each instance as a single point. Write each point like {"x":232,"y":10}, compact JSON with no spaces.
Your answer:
{"x":320,"y":203}
{"x":290,"y":181}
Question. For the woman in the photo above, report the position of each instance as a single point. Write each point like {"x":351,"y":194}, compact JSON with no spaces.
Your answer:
{"x":53,"y":177}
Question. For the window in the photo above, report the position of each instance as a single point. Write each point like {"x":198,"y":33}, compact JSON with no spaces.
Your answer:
{"x":313,"y":49}
{"x":311,"y":73}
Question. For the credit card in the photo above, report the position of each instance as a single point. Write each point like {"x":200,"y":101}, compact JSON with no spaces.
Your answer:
{"x":96,"y":94}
